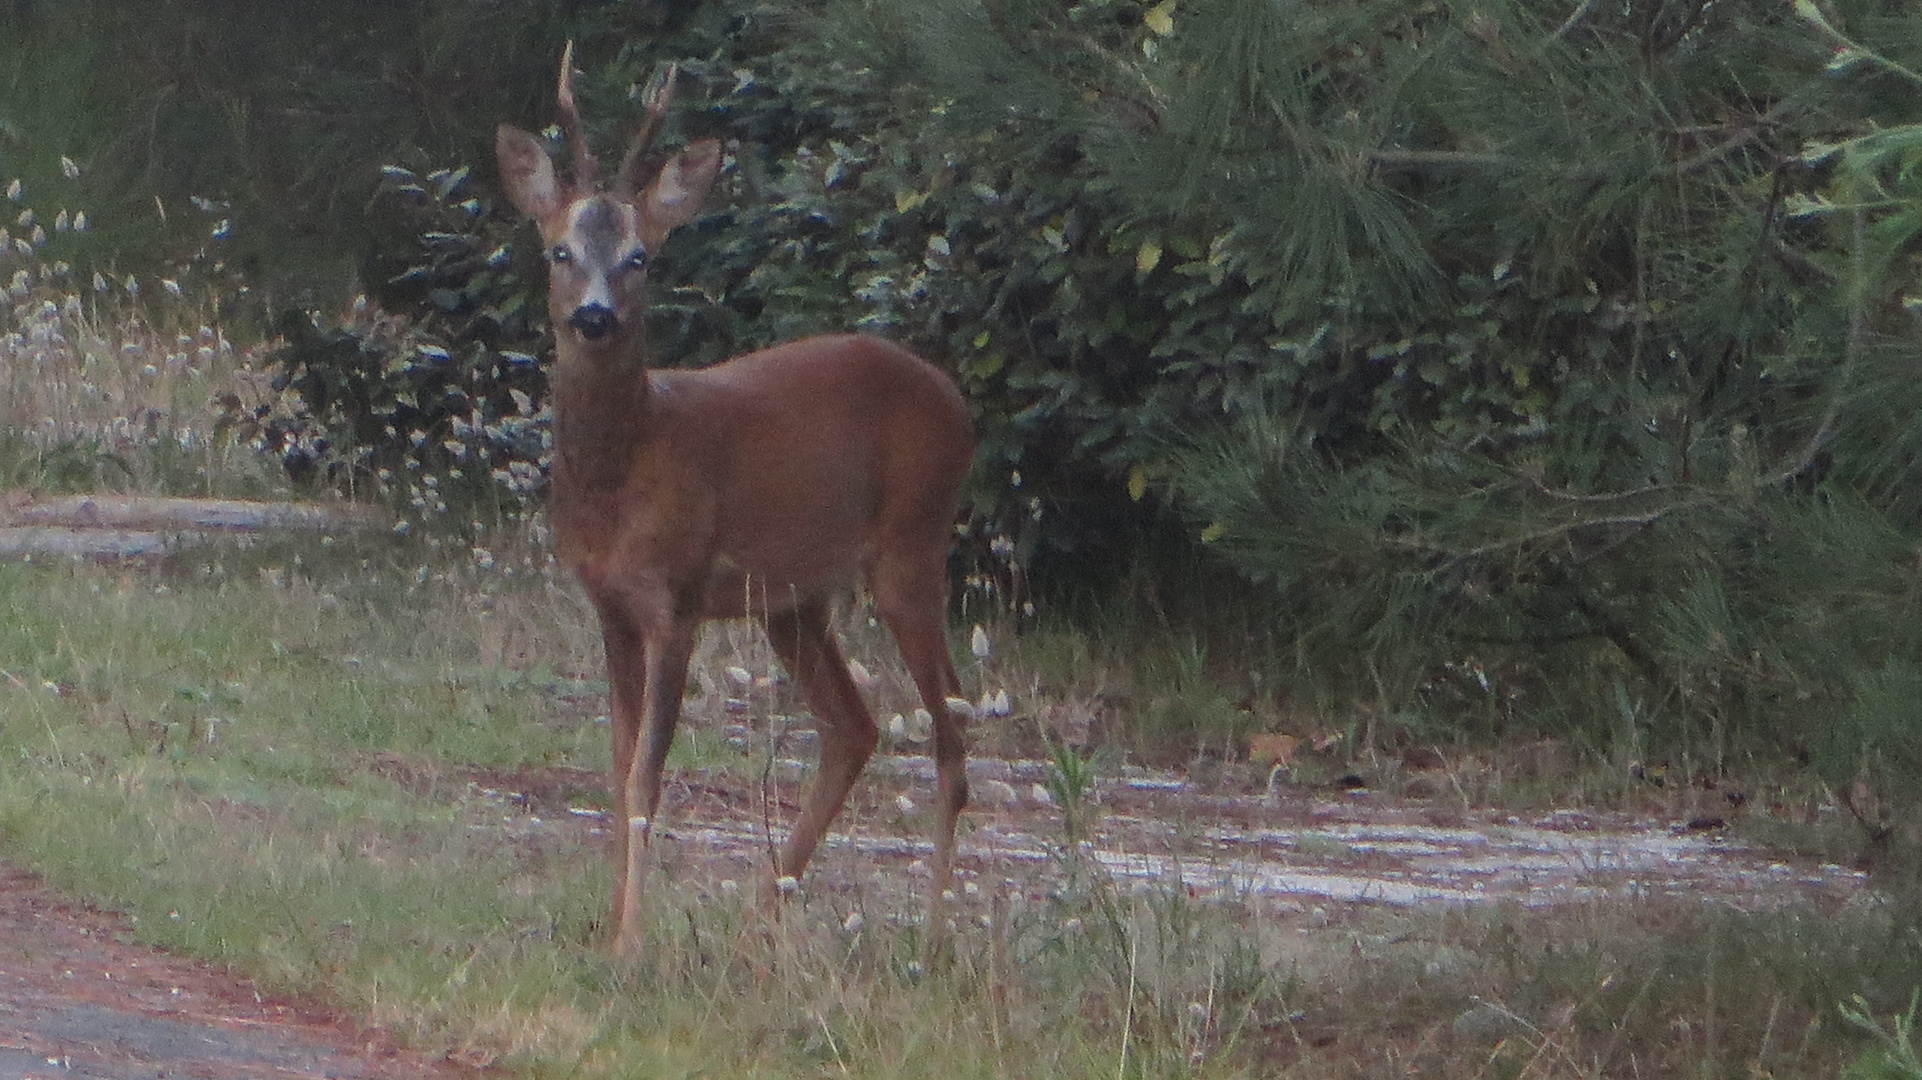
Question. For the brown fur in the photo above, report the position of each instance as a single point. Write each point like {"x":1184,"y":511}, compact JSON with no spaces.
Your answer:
{"x":764,"y":486}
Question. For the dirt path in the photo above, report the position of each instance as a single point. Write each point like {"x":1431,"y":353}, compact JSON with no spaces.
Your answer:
{"x":79,"y":999}
{"x":1288,"y":852}
{"x":140,"y":528}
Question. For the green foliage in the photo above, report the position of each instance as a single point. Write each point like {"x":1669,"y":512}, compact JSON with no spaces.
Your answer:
{"x":283,"y":112}
{"x":1070,"y":783}
{"x":440,"y":411}
{"x":1385,"y":224}
{"x":1895,"y":1056}
{"x":1663,"y":442}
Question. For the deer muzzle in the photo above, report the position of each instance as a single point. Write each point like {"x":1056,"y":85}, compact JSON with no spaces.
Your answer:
{"x":594,"y":321}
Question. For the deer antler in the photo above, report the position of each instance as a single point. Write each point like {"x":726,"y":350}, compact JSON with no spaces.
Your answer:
{"x":656,"y":98}
{"x":570,"y":117}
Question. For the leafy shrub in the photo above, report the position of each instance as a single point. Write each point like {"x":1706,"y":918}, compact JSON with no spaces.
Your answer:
{"x":1564,"y":351}
{"x":1665,"y":458}
{"x":441,"y":411}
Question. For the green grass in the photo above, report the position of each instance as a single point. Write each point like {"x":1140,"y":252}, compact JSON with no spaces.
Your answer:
{"x":264,"y":762}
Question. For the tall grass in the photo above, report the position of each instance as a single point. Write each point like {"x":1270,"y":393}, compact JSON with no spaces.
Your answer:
{"x":108,"y":381}
{"x":94,"y":396}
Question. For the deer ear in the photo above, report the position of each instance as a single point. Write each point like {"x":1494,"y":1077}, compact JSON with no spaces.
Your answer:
{"x":528,"y":172}
{"x":678,"y":190}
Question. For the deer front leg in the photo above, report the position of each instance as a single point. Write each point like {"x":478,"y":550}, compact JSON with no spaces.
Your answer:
{"x":665,"y":657}
{"x":627,"y":690}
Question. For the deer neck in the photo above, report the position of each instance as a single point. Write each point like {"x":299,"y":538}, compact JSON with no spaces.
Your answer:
{"x":601,"y":414}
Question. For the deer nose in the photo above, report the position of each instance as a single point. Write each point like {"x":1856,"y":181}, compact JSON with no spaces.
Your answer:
{"x":594,"y":321}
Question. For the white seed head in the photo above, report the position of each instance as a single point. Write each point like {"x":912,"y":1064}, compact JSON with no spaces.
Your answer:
{"x":995,"y":793}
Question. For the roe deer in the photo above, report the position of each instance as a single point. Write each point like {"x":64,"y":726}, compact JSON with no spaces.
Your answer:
{"x":765,"y":485}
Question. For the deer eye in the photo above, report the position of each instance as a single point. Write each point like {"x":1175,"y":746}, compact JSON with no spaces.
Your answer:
{"x":560,"y":254}
{"x":638,"y":260}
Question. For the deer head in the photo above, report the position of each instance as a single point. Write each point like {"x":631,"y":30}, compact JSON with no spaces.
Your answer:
{"x":599,"y":241}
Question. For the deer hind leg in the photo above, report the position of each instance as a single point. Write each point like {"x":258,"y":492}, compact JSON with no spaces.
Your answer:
{"x":806,"y":647}
{"x":911,"y":597}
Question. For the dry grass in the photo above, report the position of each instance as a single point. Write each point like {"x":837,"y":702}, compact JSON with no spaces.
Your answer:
{"x":102,"y":389}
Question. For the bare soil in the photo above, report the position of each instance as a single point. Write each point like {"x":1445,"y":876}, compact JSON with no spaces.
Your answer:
{"x":146,"y":529}
{"x":1272,"y":850}
{"x":79,"y":998}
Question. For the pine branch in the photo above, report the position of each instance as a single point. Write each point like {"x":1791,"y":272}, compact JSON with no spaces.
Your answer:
{"x":1549,"y":532}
